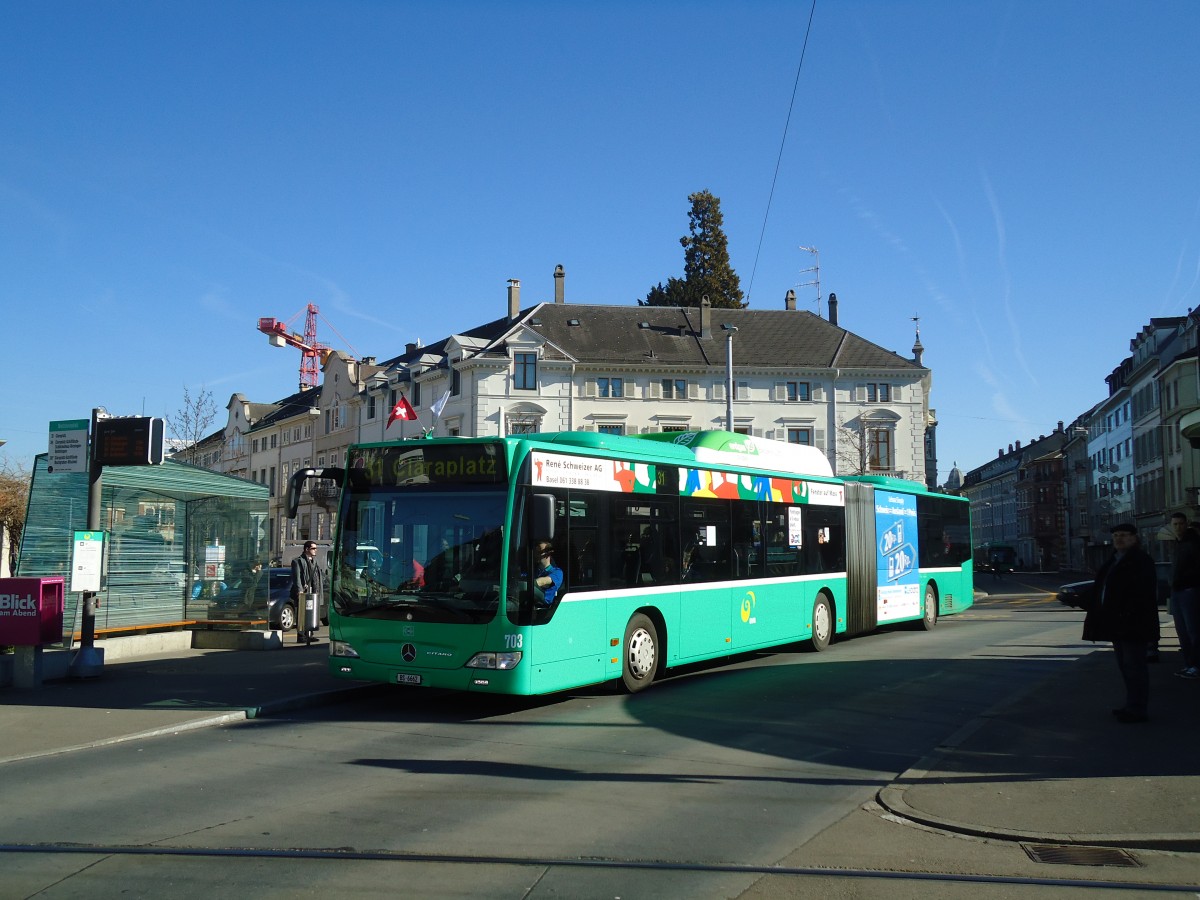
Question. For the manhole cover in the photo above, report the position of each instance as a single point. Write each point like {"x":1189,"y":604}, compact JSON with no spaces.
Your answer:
{"x":1069,"y":855}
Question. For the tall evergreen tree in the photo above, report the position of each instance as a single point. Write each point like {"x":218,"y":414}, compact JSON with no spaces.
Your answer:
{"x":706,"y":268}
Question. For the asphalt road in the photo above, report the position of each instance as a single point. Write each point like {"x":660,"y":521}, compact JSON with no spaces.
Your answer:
{"x":701,"y":787}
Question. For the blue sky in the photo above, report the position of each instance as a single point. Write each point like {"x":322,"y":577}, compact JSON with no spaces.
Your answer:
{"x":1020,"y":175}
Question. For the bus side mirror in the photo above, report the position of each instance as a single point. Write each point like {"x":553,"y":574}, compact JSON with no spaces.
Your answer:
{"x":296,"y":484}
{"x":542,"y":517}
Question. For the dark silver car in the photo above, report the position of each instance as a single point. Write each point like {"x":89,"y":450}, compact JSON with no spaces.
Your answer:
{"x":281,"y":608}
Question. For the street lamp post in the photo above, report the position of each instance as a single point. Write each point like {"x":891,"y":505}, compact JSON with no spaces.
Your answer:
{"x":730,"y":331}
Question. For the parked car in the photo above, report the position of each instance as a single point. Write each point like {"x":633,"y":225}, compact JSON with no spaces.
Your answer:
{"x":281,"y":609}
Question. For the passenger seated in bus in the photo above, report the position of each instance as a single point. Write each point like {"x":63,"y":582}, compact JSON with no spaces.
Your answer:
{"x":549,"y":577}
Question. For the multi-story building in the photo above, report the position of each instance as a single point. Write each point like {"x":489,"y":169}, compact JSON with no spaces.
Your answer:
{"x":1179,"y":394}
{"x":1149,"y":496}
{"x":1017,"y":501}
{"x":992,"y":490}
{"x":784,"y":374}
{"x":1040,"y":503}
{"x":1077,"y":527}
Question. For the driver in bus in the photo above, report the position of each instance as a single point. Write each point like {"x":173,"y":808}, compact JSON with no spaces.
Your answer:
{"x":549,"y":576}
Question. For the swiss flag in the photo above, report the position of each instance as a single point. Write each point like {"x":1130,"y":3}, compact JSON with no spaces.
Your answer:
{"x":402,"y":410}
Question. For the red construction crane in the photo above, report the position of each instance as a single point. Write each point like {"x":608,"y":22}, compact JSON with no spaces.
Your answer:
{"x":312,"y":353}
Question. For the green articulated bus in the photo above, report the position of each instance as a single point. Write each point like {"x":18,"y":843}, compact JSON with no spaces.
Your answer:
{"x":673,"y":548}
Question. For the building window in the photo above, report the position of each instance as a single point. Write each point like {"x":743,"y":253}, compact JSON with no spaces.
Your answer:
{"x":800,"y":436}
{"x":798,"y":391}
{"x":611,"y":429}
{"x":610,"y":387}
{"x":523,"y":424}
{"x":524,"y":371}
{"x":674,"y":389}
{"x":879,"y":449}
{"x":879,"y":393}
{"x":370,"y":406}
{"x":674,"y":428}
{"x":455,"y":380}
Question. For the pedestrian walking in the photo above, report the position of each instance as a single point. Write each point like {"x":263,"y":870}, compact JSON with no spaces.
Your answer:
{"x":307,"y":578}
{"x":1185,"y":593}
{"x":1122,"y":607}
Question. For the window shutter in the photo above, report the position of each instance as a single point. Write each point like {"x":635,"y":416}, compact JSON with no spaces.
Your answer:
{"x":780,"y":391}
{"x":771,"y":434}
{"x":655,"y":390}
{"x":817,"y":393}
{"x":860,"y":393}
{"x":819,"y":438}
{"x":719,"y":390}
{"x":649,"y":429}
{"x":587,"y":428}
{"x":589,"y":388}
{"x":758,"y":432}
{"x":895,"y":392}
{"x":693,"y":391}
{"x":743,"y":390}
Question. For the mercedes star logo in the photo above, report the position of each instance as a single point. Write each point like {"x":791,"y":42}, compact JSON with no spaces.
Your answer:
{"x":409,"y":652}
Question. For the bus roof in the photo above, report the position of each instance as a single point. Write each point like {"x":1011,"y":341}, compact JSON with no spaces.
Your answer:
{"x":718,"y":448}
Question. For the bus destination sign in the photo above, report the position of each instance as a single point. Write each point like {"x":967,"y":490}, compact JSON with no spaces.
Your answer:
{"x":418,"y":463}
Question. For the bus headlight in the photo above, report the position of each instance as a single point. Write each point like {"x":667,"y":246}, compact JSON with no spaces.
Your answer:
{"x":491,"y":660}
{"x":341,"y":648}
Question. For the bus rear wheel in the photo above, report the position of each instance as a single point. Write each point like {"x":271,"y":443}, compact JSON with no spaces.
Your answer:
{"x":929,"y":614}
{"x":822,"y":623}
{"x":641,"y":654}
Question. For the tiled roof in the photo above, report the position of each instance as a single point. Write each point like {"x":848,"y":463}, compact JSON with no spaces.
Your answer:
{"x":766,"y":338}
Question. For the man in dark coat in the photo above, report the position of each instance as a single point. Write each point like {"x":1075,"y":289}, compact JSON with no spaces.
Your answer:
{"x":1185,"y":594}
{"x":1122,"y":607}
{"x":307,"y":577}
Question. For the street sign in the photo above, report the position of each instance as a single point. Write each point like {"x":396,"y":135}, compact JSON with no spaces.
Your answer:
{"x":87,"y":560}
{"x":129,"y":441}
{"x":68,"y":446}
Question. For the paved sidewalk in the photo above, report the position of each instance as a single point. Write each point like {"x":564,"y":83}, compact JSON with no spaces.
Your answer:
{"x":147,"y":695}
{"x":1053,"y":766}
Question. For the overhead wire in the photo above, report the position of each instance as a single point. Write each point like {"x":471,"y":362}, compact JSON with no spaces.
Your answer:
{"x":782,"y":143}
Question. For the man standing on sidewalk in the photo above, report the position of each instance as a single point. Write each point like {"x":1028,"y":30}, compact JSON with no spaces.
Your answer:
{"x":1185,"y":594}
{"x":1122,"y":607}
{"x":307,"y":577}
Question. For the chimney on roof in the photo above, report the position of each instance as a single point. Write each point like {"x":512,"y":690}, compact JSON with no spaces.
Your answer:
{"x":1018,"y":445}
{"x":1060,"y":425}
{"x":410,"y":347}
{"x":560,"y":284}
{"x":514,"y":298}
{"x":833,"y":309}
{"x":789,"y":300}
{"x":705,"y":317}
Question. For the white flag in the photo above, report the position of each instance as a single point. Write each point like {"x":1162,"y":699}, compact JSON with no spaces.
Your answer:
{"x":440,"y":404}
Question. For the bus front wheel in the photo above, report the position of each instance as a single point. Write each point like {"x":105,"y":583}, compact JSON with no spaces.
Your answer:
{"x":641,"y":654}
{"x":822,"y":623}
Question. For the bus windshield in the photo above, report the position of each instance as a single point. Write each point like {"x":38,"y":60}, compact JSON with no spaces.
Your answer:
{"x":420,"y":555}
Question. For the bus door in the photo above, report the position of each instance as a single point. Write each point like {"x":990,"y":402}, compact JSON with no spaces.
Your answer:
{"x":705,"y":593}
{"x":565,"y":638}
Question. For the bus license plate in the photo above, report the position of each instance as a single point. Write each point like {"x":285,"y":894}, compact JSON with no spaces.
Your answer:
{"x":408,"y":679}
